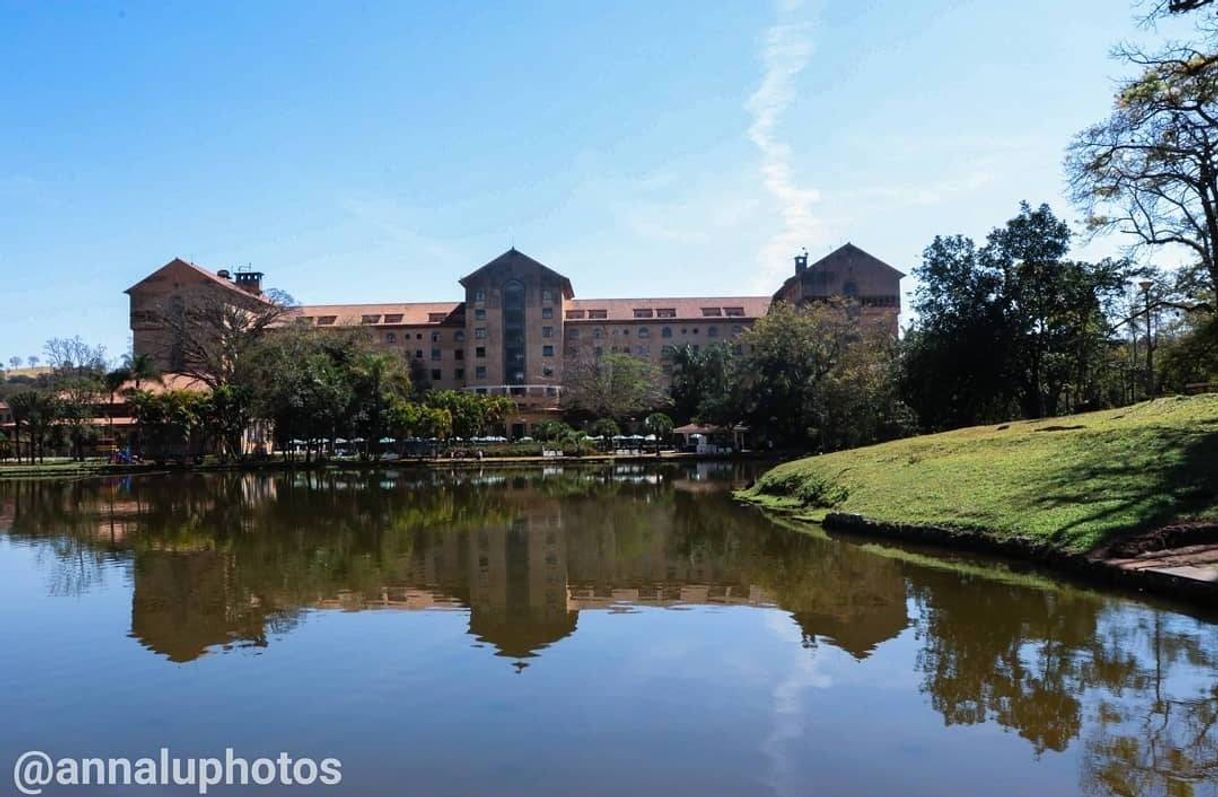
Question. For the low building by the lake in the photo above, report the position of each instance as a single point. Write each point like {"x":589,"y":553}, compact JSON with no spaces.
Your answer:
{"x":518,"y":322}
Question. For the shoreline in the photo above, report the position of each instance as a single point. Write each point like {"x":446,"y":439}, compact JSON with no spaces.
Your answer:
{"x":1184,"y":582}
{"x":70,"y":470}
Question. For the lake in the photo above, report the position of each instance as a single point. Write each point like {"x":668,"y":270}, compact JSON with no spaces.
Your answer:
{"x":621,"y":630}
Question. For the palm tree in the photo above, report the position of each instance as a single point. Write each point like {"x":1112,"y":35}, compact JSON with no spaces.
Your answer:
{"x":114,"y":381}
{"x":659,"y":425}
{"x":141,"y":368}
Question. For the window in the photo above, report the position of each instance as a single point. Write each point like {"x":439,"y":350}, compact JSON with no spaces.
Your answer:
{"x":391,"y":337}
{"x":598,"y":314}
{"x":737,"y":330}
{"x":547,"y":332}
{"x":393,"y":318}
{"x":435,"y":375}
{"x":459,"y":354}
{"x":435,"y":354}
{"x":695,"y":330}
{"x":712,"y":311}
{"x":480,"y":333}
{"x":435,"y":337}
{"x":644,"y":332}
{"x":547,"y":351}
{"x":666,"y":332}
{"x":598,"y":332}
{"x":547,"y":313}
{"x":480,"y":372}
{"x":479,"y":296}
{"x":480,"y":351}
{"x":418,"y":354}
{"x":642,"y":351}
{"x":733,"y":311}
{"x":479,"y":314}
{"x":573,"y":333}
{"x":667,"y":351}
{"x":851,"y":288}
{"x":481,"y":391}
{"x":547,"y":371}
{"x":514,"y":350}
{"x":326,"y":320}
{"x":666,"y":312}
{"x":712,"y":332}
{"x":737,"y":350}
{"x":436,"y":318}
{"x":625,"y":333}
{"x":418,"y":336}
{"x":575,"y":314}
{"x":643,"y":312}
{"x":459,"y":336}
{"x":597,"y":351}
{"x":369,"y":319}
{"x":459,"y":374}
{"x":547,"y":296}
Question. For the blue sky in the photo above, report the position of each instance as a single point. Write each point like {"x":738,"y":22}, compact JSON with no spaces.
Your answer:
{"x":371,"y":151}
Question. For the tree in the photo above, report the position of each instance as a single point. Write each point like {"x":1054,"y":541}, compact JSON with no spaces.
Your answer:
{"x":211,"y":334}
{"x":471,"y":414}
{"x":615,"y":386}
{"x":701,"y":382}
{"x":141,"y":368}
{"x":169,"y":422}
{"x":1150,"y":171}
{"x":550,"y":430}
{"x":778,"y":384}
{"x":1011,"y":329}
{"x":77,"y":376}
{"x":660,"y":425}
{"x":377,"y":380}
{"x":14,"y":362}
{"x":36,"y":411}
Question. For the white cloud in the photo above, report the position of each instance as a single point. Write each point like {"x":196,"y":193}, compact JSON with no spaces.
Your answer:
{"x":785,"y":53}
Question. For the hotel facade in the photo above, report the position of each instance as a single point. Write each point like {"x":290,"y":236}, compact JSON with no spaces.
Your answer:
{"x":520,"y":324}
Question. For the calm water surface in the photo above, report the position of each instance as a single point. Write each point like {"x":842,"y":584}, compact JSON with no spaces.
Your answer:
{"x":622,"y":631}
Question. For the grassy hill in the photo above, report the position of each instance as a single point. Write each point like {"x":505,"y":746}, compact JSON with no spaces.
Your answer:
{"x":1069,"y":483}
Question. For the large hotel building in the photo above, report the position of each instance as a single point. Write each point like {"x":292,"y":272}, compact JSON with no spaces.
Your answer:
{"x":520,"y":322}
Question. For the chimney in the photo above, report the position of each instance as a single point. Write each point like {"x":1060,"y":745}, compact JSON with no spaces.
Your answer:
{"x":224,"y":274}
{"x":250,"y":281}
{"x":801,"y":263}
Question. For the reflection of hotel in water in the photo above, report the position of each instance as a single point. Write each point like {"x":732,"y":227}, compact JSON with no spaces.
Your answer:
{"x":524,"y":575}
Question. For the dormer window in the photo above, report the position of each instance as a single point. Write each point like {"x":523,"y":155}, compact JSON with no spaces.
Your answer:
{"x":598,"y":314}
{"x":733,"y":311}
{"x":643,"y":312}
{"x":712,"y":311}
{"x":666,"y":312}
{"x":574,"y":314}
{"x":393,"y":318}
{"x":326,"y":320}
{"x":435,"y":318}
{"x":370,"y":318}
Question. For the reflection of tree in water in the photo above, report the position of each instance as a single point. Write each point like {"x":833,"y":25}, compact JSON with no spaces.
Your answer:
{"x":1158,"y":736}
{"x":1018,"y":656}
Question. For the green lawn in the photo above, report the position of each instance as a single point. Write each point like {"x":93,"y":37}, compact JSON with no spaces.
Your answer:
{"x":1070,"y":483}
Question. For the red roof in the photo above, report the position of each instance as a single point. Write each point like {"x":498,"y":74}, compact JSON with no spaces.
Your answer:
{"x":685,"y":308}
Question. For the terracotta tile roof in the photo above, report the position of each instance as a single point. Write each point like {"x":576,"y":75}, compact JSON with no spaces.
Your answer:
{"x":406,"y":314}
{"x":685,"y":308}
{"x":210,"y":276}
